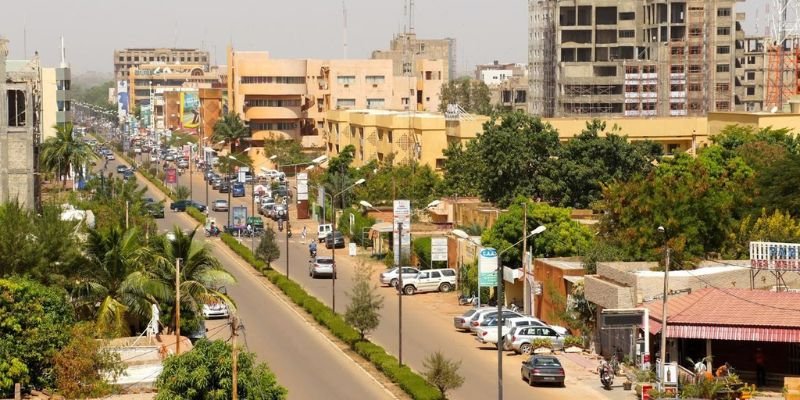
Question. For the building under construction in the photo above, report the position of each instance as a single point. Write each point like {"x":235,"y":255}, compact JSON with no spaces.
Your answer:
{"x":636,"y":58}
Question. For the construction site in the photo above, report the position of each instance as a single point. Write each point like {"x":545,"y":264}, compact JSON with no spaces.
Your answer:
{"x":658,"y":58}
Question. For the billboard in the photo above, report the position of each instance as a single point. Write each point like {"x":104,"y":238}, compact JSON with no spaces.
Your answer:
{"x":487,"y":267}
{"x":122,"y":99}
{"x":402,"y":215}
{"x":302,"y":186}
{"x":775,"y":256}
{"x":439,"y":249}
{"x":239,"y":217}
{"x":171,"y":175}
{"x":190,"y":110}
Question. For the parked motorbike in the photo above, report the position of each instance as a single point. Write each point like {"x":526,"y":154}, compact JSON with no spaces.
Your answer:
{"x":464,"y":300}
{"x":606,"y":374}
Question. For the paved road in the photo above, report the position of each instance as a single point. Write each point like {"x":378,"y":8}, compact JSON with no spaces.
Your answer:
{"x":424,"y":331}
{"x":304,"y":360}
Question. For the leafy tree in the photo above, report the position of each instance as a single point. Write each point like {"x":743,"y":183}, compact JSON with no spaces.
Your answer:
{"x":472,"y":95}
{"x":286,"y":152}
{"x":776,"y":227}
{"x":201,"y":278}
{"x":34,"y":324}
{"x":563,"y":237}
{"x":778,"y":188}
{"x":339,"y":175}
{"x":182,"y":192}
{"x":516,"y":152}
{"x":268,"y":249}
{"x":731,"y":137}
{"x":363,"y":312}
{"x":442,"y":372}
{"x":206,"y":373}
{"x":65,"y":153}
{"x":698,"y":200}
{"x":96,"y":95}
{"x":588,"y":161}
{"x":386,"y":182}
{"x":360,"y":223}
{"x":599,"y":251}
{"x":231,"y":130}
{"x":83,"y":365}
{"x":228,"y":166}
{"x":462,"y":170}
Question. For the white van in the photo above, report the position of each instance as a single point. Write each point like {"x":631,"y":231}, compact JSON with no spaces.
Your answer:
{"x":322,"y":231}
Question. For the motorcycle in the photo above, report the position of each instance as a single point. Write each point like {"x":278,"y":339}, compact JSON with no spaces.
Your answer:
{"x":312,"y":253}
{"x":288,"y":233}
{"x":464,"y":300}
{"x":606,"y":374}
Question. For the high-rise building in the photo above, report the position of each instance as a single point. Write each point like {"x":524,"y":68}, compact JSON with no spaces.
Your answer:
{"x":406,"y":44}
{"x":56,"y":96}
{"x":636,"y":58}
{"x":125,"y":59}
{"x":20,"y":127}
{"x":508,"y":84}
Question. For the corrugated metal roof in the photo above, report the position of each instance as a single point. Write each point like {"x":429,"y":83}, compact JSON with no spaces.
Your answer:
{"x":731,"y":314}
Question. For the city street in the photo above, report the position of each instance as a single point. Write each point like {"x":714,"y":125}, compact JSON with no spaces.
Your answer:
{"x":424,"y":331}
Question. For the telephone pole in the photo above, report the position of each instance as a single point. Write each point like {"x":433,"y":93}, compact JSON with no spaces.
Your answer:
{"x":177,"y":306}
{"x":235,"y":357}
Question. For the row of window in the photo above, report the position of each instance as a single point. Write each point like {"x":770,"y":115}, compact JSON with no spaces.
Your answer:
{"x":351,"y":79}
{"x":273,"y":103}
{"x":272,"y":126}
{"x":371,"y":103}
{"x":163,"y":58}
{"x":273,"y":79}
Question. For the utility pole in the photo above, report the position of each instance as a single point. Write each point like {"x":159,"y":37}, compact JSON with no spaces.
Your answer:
{"x":526,"y":268}
{"x":288,"y":227}
{"x":127,"y":207}
{"x":400,"y":294}
{"x":663,"y":346}
{"x":235,"y":357}
{"x":177,"y":306}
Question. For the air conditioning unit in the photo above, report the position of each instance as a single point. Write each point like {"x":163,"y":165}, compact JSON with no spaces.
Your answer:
{"x":374,"y":85}
{"x":347,"y":85}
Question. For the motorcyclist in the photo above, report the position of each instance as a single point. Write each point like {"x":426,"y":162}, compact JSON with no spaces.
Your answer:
{"x":312,"y":249}
{"x":606,"y":374}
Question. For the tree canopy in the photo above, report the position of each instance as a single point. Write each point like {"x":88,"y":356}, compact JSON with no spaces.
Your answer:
{"x":472,"y":95}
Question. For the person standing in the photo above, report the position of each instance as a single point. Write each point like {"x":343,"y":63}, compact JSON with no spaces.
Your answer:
{"x":761,"y":371}
{"x":303,"y":234}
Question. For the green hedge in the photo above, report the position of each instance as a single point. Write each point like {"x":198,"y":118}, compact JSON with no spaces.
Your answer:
{"x":157,"y":182}
{"x":360,"y":222}
{"x":196,"y":214}
{"x":243,"y":252}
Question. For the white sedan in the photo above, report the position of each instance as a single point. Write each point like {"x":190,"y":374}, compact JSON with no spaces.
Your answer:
{"x":215,"y":310}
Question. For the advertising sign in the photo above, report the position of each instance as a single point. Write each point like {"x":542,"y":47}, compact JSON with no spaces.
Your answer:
{"x":187,"y":152}
{"x":302,"y":186}
{"x":171,"y":175}
{"x":487,"y":267}
{"x":402,"y":215}
{"x":239,"y":217}
{"x":122,"y":99}
{"x":775,"y":256}
{"x":439,"y":249}
{"x":190,"y":110}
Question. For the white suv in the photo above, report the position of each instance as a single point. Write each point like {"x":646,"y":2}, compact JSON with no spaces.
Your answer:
{"x":430,"y":280}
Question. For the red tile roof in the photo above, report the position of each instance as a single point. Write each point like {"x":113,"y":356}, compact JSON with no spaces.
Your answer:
{"x":731,"y":314}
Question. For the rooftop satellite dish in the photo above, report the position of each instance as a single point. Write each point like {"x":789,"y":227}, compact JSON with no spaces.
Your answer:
{"x":774,"y":109}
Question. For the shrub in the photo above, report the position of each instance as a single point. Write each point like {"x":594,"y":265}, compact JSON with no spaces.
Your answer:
{"x":196,"y":214}
{"x":541,"y":343}
{"x":359,"y":223}
{"x":576,"y":341}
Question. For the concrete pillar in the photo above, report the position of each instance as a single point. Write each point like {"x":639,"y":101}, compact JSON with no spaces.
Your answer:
{"x":3,"y":106}
{"x":709,"y":364}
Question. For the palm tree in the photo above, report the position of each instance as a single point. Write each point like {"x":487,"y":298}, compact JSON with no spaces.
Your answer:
{"x":201,"y":275}
{"x":64,"y":153}
{"x":103,"y":291}
{"x":230,"y":129}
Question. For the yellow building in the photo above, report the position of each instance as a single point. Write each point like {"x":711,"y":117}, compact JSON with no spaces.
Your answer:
{"x":289,"y":99}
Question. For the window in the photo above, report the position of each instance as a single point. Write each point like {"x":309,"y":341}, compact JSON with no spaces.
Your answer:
{"x":723,"y":87}
{"x":375,"y":103}
{"x":273,"y":79}
{"x":627,"y":16}
{"x":435,"y":274}
{"x":723,"y":12}
{"x":750,"y":76}
{"x":272,"y":126}
{"x":345,"y":79}
{"x":627,"y":34}
{"x":345,"y":103}
{"x":677,"y":69}
{"x":16,"y":107}
{"x":448,"y":272}
{"x":695,"y":69}
{"x":62,"y":85}
{"x":723,"y":30}
{"x":723,"y":49}
{"x":723,"y":67}
{"x":422,"y":275}
{"x":695,"y":87}
{"x":751,"y":91}
{"x":273,"y":103}
{"x":389,"y":137}
{"x":121,"y":59}
{"x":375,"y":79}
{"x":648,"y":106}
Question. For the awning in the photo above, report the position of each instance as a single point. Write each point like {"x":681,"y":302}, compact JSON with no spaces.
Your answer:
{"x":382,"y":227}
{"x":739,"y":333}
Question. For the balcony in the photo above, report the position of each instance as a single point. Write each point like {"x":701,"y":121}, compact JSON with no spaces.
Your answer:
{"x":251,"y":113}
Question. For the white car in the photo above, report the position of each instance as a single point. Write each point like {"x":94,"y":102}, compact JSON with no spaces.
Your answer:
{"x":488,"y":334}
{"x":391,"y":278}
{"x":321,"y":266}
{"x":522,"y":337}
{"x":215,"y":310}
{"x":431,"y":280}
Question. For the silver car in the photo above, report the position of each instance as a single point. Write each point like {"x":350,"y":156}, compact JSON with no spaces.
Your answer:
{"x":321,"y":266}
{"x":522,"y":337}
{"x":462,"y":321}
{"x":390,"y":277}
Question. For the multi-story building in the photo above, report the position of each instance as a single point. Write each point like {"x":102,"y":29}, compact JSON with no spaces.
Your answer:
{"x":636,"y":58}
{"x":751,"y":75}
{"x":288,"y":99}
{"x":125,"y":59}
{"x":406,"y":46}
{"x":20,"y":127}
{"x":56,"y":97}
{"x":508,"y":84}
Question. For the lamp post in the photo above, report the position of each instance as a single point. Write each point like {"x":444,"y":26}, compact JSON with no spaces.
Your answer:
{"x":460,"y":233}
{"x":663,"y":346}
{"x":333,"y":233}
{"x":230,"y":184}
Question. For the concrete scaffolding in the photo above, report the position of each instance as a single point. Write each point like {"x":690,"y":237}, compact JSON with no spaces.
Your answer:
{"x":541,"y":57}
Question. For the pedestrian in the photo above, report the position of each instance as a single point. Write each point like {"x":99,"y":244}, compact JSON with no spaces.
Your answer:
{"x":761,"y":371}
{"x":303,"y":234}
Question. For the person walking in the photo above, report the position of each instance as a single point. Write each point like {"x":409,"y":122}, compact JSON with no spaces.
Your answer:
{"x":761,"y":371}
{"x":303,"y":234}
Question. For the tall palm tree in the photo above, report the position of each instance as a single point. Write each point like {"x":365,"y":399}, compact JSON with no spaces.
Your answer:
{"x":64,"y":153}
{"x":202,"y":277}
{"x":103,"y":290}
{"x":230,"y":129}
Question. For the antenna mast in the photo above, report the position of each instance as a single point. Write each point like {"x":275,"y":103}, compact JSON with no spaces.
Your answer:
{"x":344,"y":30}
{"x":411,"y":16}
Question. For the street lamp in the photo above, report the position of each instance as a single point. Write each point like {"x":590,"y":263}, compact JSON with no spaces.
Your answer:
{"x":460,"y":233}
{"x":333,"y":233}
{"x":663,"y":346}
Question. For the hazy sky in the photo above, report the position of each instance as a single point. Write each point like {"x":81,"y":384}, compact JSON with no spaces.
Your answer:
{"x":485,"y":30}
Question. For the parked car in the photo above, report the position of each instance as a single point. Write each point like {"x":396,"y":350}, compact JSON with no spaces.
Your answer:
{"x":390,"y":276}
{"x":279,"y":212}
{"x":183,"y":163}
{"x":443,"y":280}
{"x":334,"y":239}
{"x":121,"y":168}
{"x":543,"y":369}
{"x":169,"y":157}
{"x":522,"y":337}
{"x":480,"y":315}
{"x":208,"y":175}
{"x":220,"y":205}
{"x":110,"y":156}
{"x":266,"y":209}
{"x":155,"y":210}
{"x":128,"y":174}
{"x":181,"y":205}
{"x":321,"y":266}
{"x":488,"y":335}
{"x":216,"y":309}
{"x":323,"y":230}
{"x":224,"y":187}
{"x":266,"y":200}
{"x":216,"y":182}
{"x":237,"y":190}
{"x":462,"y":321}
